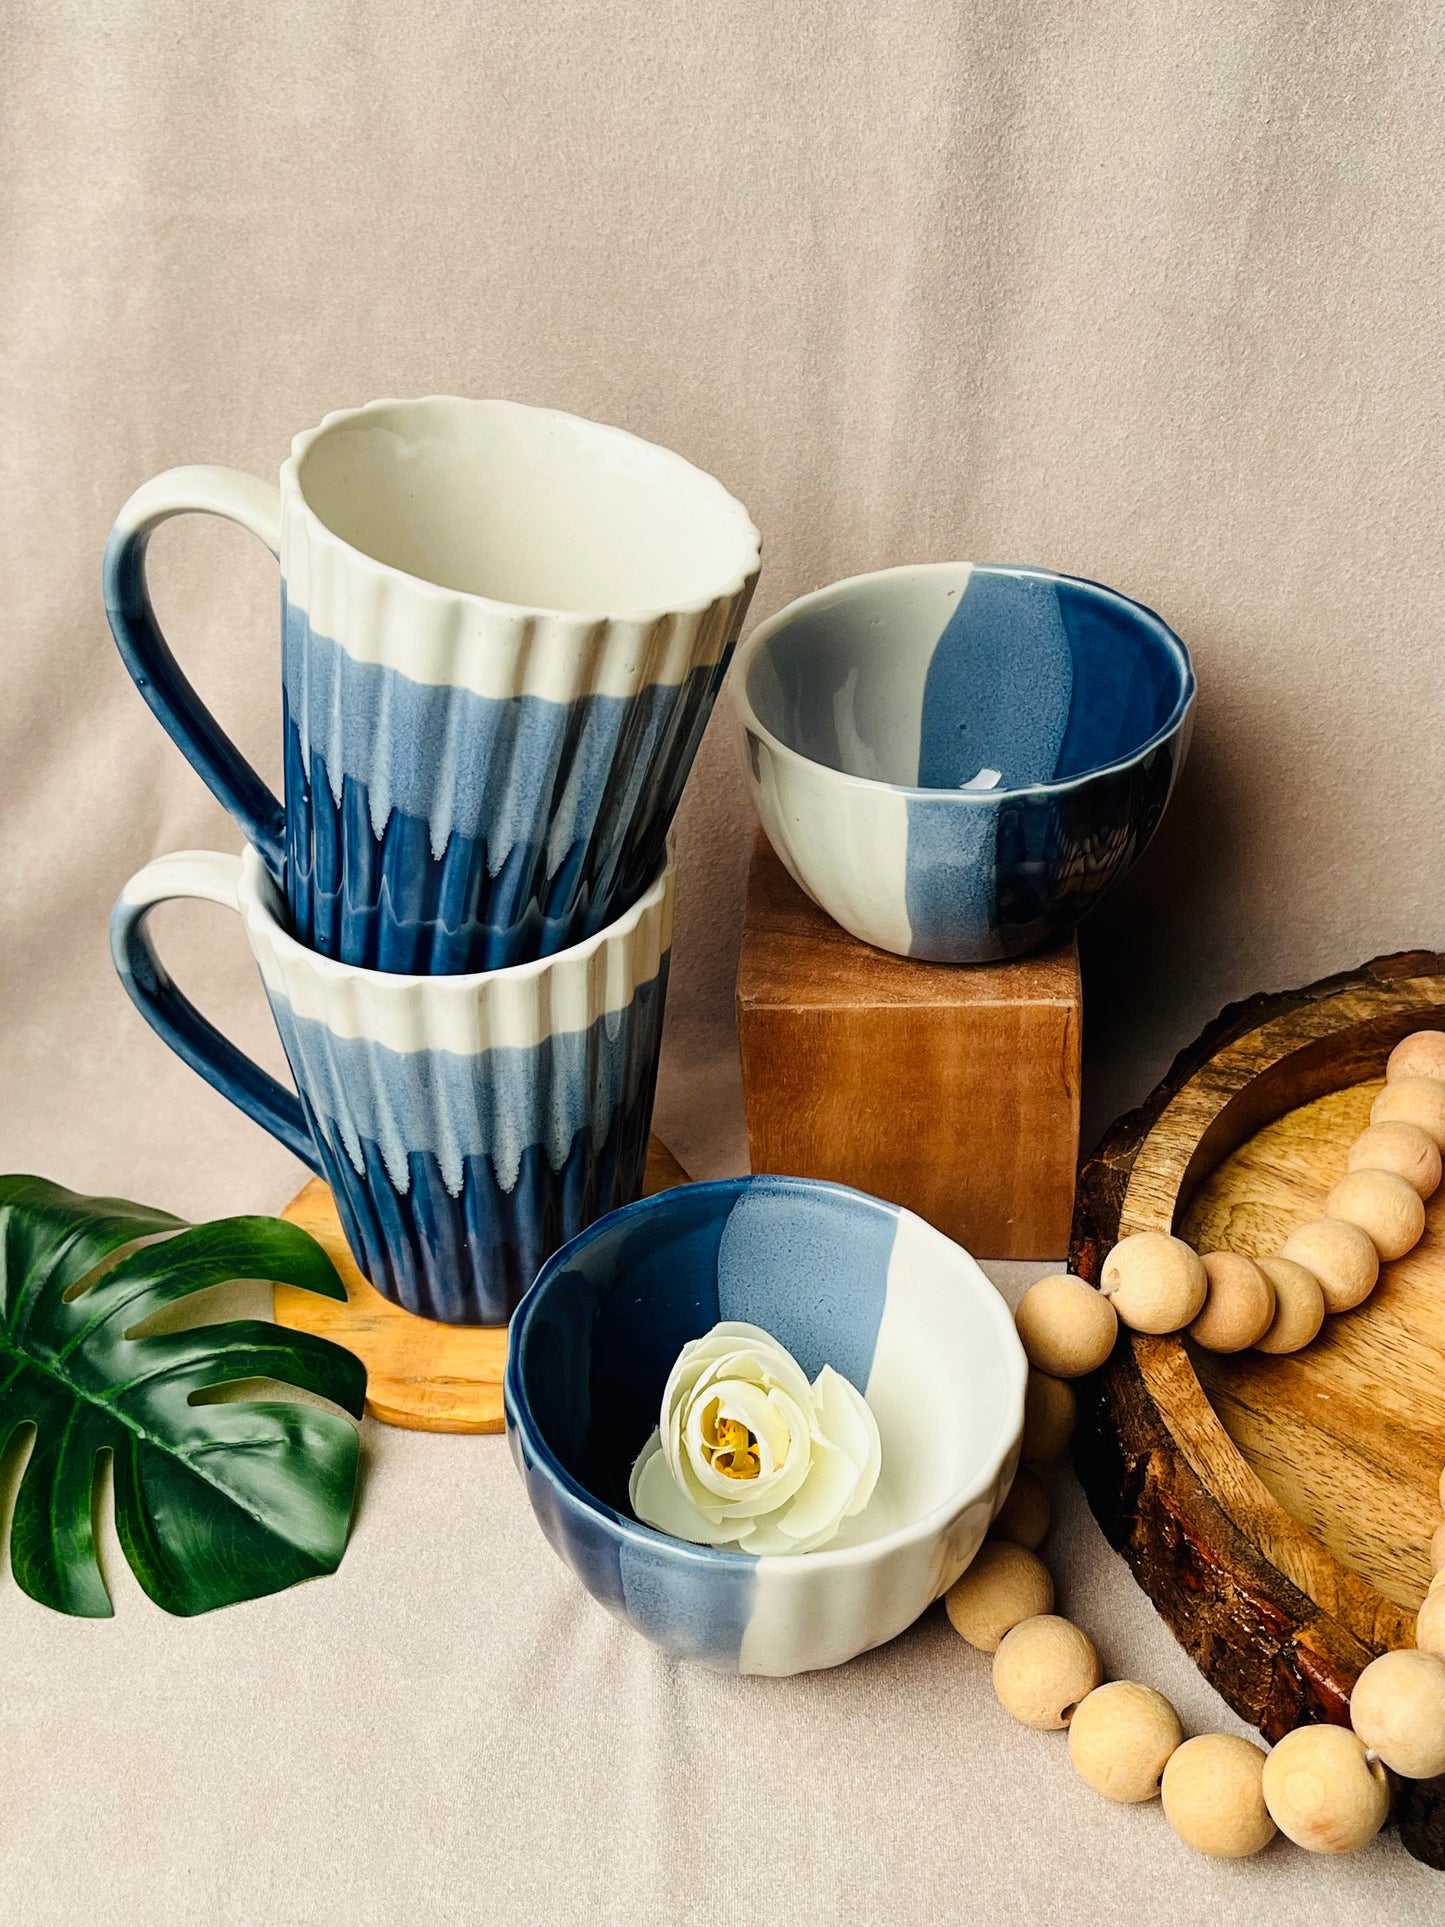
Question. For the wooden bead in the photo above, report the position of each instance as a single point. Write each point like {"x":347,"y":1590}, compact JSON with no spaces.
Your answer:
{"x":1421,"y":1054}
{"x":1387,"y":1209}
{"x":1412,"y":1154}
{"x":1442,"y":1488}
{"x":1299,"y":1306}
{"x":1398,"y":1710}
{"x":1121,"y":1737}
{"x":1067,"y":1328}
{"x":1156,"y":1283}
{"x":1240,"y":1307}
{"x":1213,"y":1795}
{"x":1042,"y":1669}
{"x":1430,"y":1623}
{"x":1004,"y":1585}
{"x":1050,"y":1409}
{"x":1025,"y":1515}
{"x":1437,"y":1548}
{"x":1413,"y":1100}
{"x":1340,"y":1255}
{"x":1322,"y":1792}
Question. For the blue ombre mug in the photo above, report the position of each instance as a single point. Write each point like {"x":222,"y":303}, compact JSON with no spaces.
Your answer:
{"x":503,"y":629}
{"x":468,"y":1126}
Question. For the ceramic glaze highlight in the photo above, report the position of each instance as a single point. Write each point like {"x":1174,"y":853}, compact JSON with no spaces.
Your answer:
{"x":956,"y":762}
{"x":503,"y":632}
{"x":467,"y":1125}
{"x":840,"y":1279}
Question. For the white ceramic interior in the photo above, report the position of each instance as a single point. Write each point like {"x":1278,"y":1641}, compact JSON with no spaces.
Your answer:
{"x":524,"y":505}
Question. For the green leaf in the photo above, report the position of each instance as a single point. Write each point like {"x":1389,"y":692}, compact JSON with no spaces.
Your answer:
{"x":214,"y":1501}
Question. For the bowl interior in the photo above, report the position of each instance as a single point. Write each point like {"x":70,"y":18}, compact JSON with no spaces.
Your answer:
{"x":837,"y":1277}
{"x":933,"y":677}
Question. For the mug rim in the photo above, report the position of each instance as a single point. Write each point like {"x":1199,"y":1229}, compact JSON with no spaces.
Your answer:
{"x":774,"y":624}
{"x":732,"y":511}
{"x":258,"y":894}
{"x":521,"y":1418}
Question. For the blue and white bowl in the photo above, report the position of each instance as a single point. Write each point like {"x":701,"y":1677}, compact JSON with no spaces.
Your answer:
{"x":467,"y":1125}
{"x":839,"y":1279}
{"x":956,"y":761}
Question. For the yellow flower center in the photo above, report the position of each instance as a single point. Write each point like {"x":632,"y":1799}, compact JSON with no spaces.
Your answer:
{"x":730,"y":1447}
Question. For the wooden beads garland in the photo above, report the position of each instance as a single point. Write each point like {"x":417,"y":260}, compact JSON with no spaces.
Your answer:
{"x":1402,"y":1148}
{"x":1157,"y":1283}
{"x":1026,"y":1514}
{"x":1004,"y":1586}
{"x":1398,"y":1710}
{"x":1340,"y":1255}
{"x":1413,"y":1100}
{"x":1325,"y":1787}
{"x":1239,"y":1309}
{"x":1324,"y":1791}
{"x":1066,"y":1327}
{"x":1389,"y":1211}
{"x":1043,"y":1668}
{"x":1121,"y":1738}
{"x":1299,"y":1307}
{"x":1375,"y":1212}
{"x":1050,"y":1410}
{"x":1421,"y":1054}
{"x":1213,"y":1795}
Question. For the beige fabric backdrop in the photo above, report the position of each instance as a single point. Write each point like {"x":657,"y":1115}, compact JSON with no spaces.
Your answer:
{"x":1147,"y":291}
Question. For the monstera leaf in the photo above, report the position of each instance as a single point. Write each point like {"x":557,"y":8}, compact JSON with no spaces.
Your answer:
{"x":215,"y":1501}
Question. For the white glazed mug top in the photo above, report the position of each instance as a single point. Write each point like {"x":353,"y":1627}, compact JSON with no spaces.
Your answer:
{"x":524,"y":506}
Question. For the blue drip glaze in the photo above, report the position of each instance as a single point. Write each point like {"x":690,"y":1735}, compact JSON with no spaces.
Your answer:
{"x":432,"y":830}
{"x":456,"y":1176}
{"x":467,"y":1258}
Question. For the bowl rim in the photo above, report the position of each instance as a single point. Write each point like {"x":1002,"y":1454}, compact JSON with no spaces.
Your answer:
{"x":521,"y":1419}
{"x":748,"y":650}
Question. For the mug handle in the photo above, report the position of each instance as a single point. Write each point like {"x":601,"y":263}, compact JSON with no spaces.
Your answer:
{"x":255,"y":505}
{"x":174,"y":1018}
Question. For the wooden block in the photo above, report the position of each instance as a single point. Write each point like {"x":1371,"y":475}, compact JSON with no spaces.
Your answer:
{"x":952,"y":1089}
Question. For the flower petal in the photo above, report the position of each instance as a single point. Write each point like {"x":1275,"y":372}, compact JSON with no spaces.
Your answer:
{"x":847,"y":1419}
{"x":660,"y":1502}
{"x":825,"y":1494}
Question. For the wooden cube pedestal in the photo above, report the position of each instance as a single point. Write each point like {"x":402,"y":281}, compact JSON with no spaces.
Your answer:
{"x":952,"y":1089}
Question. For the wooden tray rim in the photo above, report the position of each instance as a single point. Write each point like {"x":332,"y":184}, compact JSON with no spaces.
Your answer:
{"x":1257,"y":1061}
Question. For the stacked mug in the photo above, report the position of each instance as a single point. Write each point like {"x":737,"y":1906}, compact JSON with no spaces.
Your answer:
{"x":503,"y":630}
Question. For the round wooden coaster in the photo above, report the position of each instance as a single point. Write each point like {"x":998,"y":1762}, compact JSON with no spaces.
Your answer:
{"x":421,"y":1375}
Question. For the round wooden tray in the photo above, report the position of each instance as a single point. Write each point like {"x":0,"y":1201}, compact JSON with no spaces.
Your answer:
{"x":420,"y":1375}
{"x":1277,"y":1511}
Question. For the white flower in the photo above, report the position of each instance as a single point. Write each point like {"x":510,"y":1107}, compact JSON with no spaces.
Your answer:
{"x":748,"y":1453}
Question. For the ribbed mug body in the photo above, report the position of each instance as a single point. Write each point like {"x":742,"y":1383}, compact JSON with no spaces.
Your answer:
{"x":473,"y":782}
